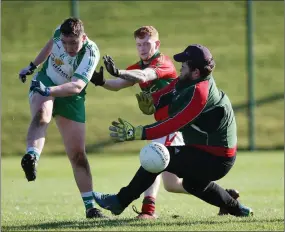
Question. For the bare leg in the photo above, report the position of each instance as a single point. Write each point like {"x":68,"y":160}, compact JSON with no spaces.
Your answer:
{"x":41,"y":111}
{"x":172,"y":183}
{"x":154,"y":188}
{"x":73,"y":135}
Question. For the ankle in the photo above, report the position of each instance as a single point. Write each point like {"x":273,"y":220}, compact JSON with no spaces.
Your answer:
{"x":148,"y":206}
{"x":88,"y":200}
{"x":34,"y":151}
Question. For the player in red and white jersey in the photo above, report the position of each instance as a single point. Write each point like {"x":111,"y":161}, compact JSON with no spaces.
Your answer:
{"x":152,"y":72}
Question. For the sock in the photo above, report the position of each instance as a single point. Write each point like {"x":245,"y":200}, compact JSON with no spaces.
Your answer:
{"x":148,"y":206}
{"x":34,"y":151}
{"x":88,"y":200}
{"x":213,"y":194}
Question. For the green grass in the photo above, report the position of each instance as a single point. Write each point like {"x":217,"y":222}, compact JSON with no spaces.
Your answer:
{"x":53,"y":202}
{"x":218,"y":25}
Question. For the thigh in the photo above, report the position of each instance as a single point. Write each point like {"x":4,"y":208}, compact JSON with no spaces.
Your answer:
{"x":37,"y":101}
{"x":196,"y":164}
{"x":73,"y":134}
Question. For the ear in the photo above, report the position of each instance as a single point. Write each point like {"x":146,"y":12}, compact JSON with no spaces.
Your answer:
{"x":84,"y":37}
{"x":157,"y":44}
{"x":196,"y":73}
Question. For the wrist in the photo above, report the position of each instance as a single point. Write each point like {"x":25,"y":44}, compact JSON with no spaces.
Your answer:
{"x":139,"y":133}
{"x":48,"y":91}
{"x":33,"y":66}
{"x":118,"y":73}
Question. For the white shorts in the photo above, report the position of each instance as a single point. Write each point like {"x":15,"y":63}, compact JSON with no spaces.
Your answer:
{"x":174,"y":139}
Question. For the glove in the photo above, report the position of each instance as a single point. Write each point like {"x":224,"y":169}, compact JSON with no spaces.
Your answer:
{"x":38,"y":86}
{"x":124,"y":131}
{"x":110,"y":66}
{"x":27,"y":71}
{"x":98,"y":77}
{"x":145,"y":103}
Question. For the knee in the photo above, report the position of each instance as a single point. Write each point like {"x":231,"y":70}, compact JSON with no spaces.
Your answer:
{"x":171,"y":187}
{"x":79,"y":159}
{"x":42,"y":117}
{"x":194,"y":186}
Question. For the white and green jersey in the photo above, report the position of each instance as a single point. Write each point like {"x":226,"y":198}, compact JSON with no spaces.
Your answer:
{"x":60,"y":67}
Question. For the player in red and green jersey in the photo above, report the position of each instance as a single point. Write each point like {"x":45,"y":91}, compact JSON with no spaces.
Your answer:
{"x":205,"y":117}
{"x":153,"y":72}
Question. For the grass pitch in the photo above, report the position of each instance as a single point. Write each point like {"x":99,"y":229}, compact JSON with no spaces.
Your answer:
{"x":53,"y":202}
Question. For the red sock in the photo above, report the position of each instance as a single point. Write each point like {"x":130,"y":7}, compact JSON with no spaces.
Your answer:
{"x":148,"y":206}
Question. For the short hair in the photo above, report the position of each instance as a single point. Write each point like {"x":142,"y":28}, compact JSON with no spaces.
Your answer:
{"x":72,"y":27}
{"x":146,"y":30}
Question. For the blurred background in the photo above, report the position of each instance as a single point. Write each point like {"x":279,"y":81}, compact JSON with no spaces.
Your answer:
{"x":221,"y":26}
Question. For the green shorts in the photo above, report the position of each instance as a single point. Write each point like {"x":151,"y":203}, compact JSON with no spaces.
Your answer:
{"x":72,"y":108}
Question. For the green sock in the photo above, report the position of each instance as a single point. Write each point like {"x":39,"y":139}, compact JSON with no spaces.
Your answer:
{"x":88,"y":200}
{"x":33,"y":151}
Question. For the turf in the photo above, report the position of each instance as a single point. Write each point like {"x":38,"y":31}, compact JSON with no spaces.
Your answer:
{"x":111,"y":24}
{"x":53,"y":202}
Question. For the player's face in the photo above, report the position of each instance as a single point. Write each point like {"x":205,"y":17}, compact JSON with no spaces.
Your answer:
{"x":187,"y":73}
{"x":147,"y":47}
{"x":72,"y":44}
{"x":184,"y":71}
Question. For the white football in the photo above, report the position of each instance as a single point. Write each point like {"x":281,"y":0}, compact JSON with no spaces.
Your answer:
{"x":154,"y":157}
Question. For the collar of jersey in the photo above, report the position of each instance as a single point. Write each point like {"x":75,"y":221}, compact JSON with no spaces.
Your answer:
{"x":142,"y":65}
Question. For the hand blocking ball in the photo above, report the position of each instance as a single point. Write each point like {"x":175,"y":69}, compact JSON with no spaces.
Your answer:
{"x":154,"y":157}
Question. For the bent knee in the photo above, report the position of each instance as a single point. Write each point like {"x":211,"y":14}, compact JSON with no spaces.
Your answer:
{"x":79,"y":159}
{"x":171,"y":187}
{"x":42,"y":117}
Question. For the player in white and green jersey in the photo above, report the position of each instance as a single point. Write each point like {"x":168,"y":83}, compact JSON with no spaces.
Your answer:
{"x":58,"y":90}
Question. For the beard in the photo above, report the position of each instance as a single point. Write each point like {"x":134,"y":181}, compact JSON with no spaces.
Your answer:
{"x":186,"y":77}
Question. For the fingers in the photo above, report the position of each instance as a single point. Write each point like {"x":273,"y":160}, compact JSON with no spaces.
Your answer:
{"x":22,"y":78}
{"x":116,"y":124}
{"x":101,"y":70}
{"x":108,"y":59}
{"x":138,"y":98}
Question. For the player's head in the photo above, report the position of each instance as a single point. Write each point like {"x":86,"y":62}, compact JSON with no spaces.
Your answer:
{"x":72,"y":35}
{"x":197,"y":62}
{"x":147,"y":41}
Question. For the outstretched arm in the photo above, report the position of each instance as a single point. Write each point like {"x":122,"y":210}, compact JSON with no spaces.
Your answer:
{"x":137,"y":75}
{"x":117,"y":84}
{"x":44,"y":53}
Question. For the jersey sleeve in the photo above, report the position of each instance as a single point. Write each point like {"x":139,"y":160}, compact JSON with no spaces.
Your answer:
{"x":185,"y":109}
{"x":163,"y":67}
{"x":88,"y":64}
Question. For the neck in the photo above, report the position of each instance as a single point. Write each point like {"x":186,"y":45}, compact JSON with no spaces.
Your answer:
{"x":145,"y":62}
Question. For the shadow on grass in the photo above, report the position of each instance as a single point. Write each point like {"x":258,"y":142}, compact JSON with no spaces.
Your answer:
{"x":138,"y":224}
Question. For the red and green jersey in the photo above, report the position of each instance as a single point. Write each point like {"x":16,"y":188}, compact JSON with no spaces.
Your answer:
{"x":200,"y":111}
{"x":165,"y":71}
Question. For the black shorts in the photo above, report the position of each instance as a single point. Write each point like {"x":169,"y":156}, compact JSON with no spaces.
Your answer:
{"x":193,"y":163}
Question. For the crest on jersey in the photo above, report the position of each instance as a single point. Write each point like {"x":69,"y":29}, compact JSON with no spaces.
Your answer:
{"x":58,"y":61}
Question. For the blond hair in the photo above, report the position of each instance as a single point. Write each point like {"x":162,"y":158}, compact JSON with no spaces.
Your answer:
{"x":146,"y":30}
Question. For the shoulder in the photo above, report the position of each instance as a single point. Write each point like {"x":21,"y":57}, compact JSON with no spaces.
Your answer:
{"x":163,"y":59}
{"x":56,"y":33}
{"x":90,"y":47}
